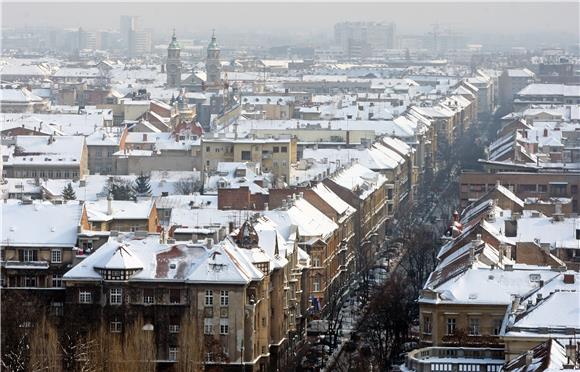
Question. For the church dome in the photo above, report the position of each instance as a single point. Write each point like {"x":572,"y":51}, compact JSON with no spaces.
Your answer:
{"x":213,"y":43}
{"x":174,"y":44}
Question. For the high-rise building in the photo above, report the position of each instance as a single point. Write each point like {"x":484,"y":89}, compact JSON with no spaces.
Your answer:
{"x":88,"y":39}
{"x":127,"y":28}
{"x":134,"y":40}
{"x":363,"y":39}
{"x":141,"y":43}
{"x":173,"y":63}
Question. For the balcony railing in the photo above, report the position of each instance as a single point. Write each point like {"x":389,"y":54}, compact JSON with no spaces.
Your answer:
{"x":434,"y":359}
{"x":24,"y":265}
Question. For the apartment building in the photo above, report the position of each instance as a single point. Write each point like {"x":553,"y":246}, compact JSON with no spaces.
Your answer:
{"x":275,"y":155}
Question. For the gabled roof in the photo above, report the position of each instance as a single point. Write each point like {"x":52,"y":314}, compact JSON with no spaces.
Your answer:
{"x":40,"y":224}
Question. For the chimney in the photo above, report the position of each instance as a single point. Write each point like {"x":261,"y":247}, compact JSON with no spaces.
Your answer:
{"x":209,"y":243}
{"x":472,"y":253}
{"x":569,"y":279}
{"x":501,"y":252}
{"x":515,"y":302}
{"x":529,"y":357}
{"x":109,"y":205}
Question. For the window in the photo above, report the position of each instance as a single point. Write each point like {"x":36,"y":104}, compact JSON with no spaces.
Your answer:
{"x":149,"y":296}
{"x":208,"y":297}
{"x":174,"y":296}
{"x":224,"y":327}
{"x":451,"y":323}
{"x":57,"y":308}
{"x":115,"y":296}
{"x":208,"y":326}
{"x":173,"y":353}
{"x":174,"y":328}
{"x":316,"y":283}
{"x":224,"y":298}
{"x":316,"y":261}
{"x":469,"y":368}
{"x":284,"y":149}
{"x":28,"y":255}
{"x":427,"y":324}
{"x":558,"y":189}
{"x":29,"y":281}
{"x":276,"y":149}
{"x":441,"y":367}
{"x":56,"y":280}
{"x":115,"y":326}
{"x":246,"y":155}
{"x":85,"y":297}
{"x":497,"y":326}
{"x":474,"y":326}
{"x":116,"y":275}
{"x":56,"y":256}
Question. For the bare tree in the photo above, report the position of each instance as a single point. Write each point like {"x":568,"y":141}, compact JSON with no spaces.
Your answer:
{"x":138,"y":348}
{"x":191,"y":344}
{"x":45,"y":350}
{"x":387,"y":322}
{"x":187,"y":186}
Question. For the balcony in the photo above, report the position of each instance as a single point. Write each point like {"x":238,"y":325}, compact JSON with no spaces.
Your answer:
{"x":25,"y":265}
{"x":452,"y":359}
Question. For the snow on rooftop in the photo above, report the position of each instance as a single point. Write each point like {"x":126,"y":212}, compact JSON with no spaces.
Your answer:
{"x":310,"y":221}
{"x":359,"y":179}
{"x":40,"y":224}
{"x":121,"y":210}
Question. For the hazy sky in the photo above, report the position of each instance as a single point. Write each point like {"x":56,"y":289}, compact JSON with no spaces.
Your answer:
{"x":414,"y":17}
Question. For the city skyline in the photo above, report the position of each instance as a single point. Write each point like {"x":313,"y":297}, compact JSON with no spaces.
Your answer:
{"x":411,"y":18}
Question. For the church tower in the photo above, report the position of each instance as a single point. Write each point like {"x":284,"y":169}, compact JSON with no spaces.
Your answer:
{"x":173,"y":63}
{"x":212,"y":64}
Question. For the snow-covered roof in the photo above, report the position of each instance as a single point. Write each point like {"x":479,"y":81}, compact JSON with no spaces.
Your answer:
{"x":334,"y":201}
{"x":48,"y":150}
{"x":550,"y":90}
{"x":534,"y":316}
{"x":548,"y":356}
{"x":40,"y":224}
{"x":519,"y":72}
{"x":121,"y":210}
{"x":310,"y":221}
{"x":184,"y":262}
{"x":122,"y":258}
{"x":379,"y":127}
{"x":359,"y":179}
{"x":494,"y":286}
{"x":376,"y":157}
{"x":9,"y":94}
